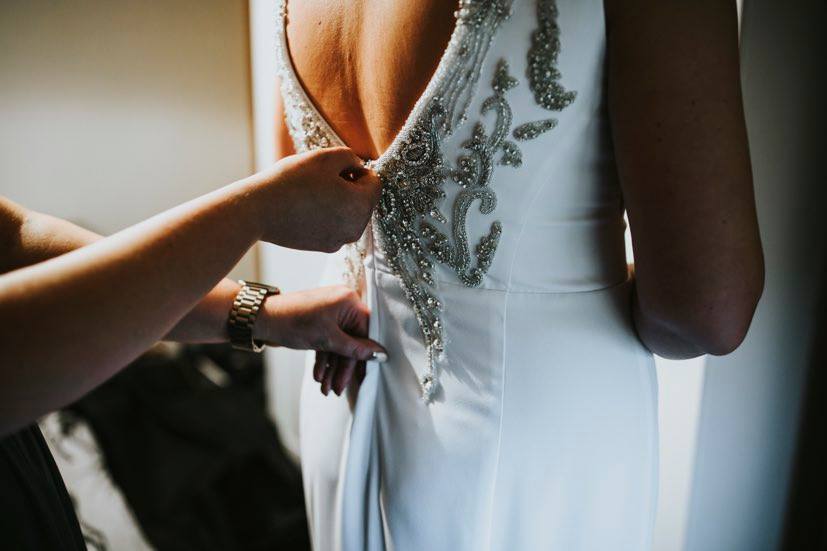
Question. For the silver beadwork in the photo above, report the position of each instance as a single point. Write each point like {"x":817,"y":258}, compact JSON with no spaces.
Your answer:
{"x":409,"y":216}
{"x":309,"y":131}
{"x":408,"y":219}
{"x":409,"y":224}
{"x":531,"y":130}
{"x":543,"y":74}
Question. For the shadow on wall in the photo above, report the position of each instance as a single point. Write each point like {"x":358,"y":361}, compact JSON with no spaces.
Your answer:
{"x":806,"y":522}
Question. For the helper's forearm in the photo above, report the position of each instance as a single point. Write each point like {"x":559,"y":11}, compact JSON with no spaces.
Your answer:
{"x":72,"y":321}
{"x":207,"y":322}
{"x":41,"y":237}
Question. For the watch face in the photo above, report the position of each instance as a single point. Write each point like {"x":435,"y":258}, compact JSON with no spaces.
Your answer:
{"x":269,"y":288}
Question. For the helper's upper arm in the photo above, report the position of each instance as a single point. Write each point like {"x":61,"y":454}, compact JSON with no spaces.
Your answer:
{"x":12,"y":217}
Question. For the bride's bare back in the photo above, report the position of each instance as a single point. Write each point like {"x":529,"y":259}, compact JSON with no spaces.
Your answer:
{"x":383,"y":53}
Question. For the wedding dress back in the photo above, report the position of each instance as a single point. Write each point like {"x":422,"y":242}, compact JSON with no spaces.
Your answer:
{"x":518,"y":409}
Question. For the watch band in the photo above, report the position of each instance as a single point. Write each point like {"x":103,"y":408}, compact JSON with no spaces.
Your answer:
{"x":244,"y":312}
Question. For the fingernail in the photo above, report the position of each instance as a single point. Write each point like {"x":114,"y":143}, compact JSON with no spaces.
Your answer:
{"x":380,"y":357}
{"x":354,"y":173}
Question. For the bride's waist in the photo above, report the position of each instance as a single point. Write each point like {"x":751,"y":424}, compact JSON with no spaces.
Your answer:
{"x":540,"y":260}
{"x":478,"y":317}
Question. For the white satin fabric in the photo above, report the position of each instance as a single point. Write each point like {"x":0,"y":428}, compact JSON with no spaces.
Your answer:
{"x":544,"y":434}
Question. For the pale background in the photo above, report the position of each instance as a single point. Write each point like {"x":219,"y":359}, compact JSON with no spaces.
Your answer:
{"x":114,"y":111}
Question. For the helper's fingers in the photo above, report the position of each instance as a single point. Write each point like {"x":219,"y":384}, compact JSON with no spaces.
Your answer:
{"x":355,"y":384}
{"x":342,"y":377}
{"x":320,"y":365}
{"x":327,"y":379}
{"x":342,"y":159}
{"x":358,"y":174}
{"x":352,"y":168}
{"x":370,"y":183}
{"x":361,"y":371}
{"x":357,"y":347}
{"x":356,"y":320}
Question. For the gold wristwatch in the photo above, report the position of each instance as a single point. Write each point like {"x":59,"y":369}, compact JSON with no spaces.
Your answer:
{"x":244,"y":312}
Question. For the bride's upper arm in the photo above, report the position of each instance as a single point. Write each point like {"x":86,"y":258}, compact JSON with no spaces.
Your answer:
{"x":683,"y":162}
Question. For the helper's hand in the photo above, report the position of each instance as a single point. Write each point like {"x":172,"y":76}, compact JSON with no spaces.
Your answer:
{"x":318,"y":200}
{"x":332,"y":321}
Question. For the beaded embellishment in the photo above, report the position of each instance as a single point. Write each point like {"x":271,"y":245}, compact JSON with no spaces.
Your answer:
{"x":306,"y":126}
{"x":408,"y":220}
{"x":543,"y":75}
{"x":409,"y":225}
{"x":409,"y":215}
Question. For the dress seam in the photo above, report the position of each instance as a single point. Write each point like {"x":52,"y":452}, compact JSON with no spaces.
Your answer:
{"x":500,"y":428}
{"x":376,"y":311}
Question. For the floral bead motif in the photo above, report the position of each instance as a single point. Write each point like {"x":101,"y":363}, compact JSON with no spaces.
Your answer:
{"x":409,"y":224}
{"x":543,"y":75}
{"x":413,"y":231}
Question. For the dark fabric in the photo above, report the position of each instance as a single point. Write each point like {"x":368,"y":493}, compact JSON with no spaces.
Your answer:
{"x":35,"y":510}
{"x":199,"y":463}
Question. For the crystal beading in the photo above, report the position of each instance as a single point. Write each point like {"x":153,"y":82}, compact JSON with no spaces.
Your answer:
{"x":409,"y":224}
{"x":309,"y":131}
{"x":542,"y":72}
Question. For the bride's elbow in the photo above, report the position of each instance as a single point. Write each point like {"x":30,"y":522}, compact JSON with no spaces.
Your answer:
{"x":696,"y":320}
{"x":717,"y":326}
{"x":723,"y":336}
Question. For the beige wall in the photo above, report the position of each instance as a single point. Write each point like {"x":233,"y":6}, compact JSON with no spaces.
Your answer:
{"x":113,"y":111}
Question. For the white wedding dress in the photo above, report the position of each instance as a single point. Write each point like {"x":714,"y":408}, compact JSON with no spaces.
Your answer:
{"x":518,"y":410}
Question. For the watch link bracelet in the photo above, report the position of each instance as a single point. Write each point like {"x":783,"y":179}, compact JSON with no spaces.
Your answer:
{"x":244,"y":312}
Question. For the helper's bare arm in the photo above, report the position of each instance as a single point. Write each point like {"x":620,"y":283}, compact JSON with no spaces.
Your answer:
{"x":71,"y":321}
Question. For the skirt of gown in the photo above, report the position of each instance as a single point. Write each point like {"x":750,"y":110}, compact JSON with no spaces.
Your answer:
{"x":544,"y":435}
